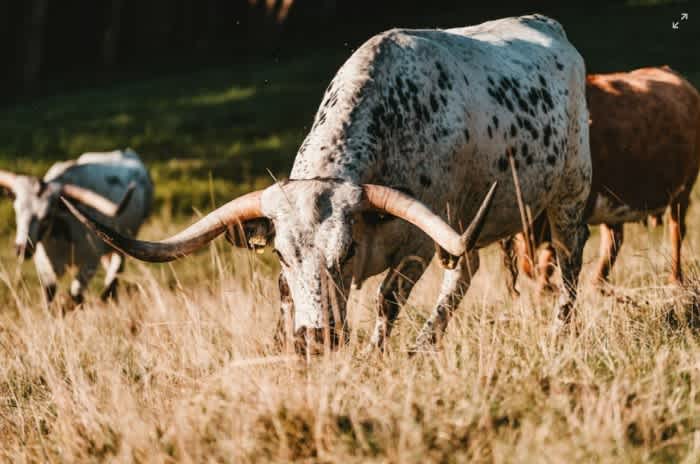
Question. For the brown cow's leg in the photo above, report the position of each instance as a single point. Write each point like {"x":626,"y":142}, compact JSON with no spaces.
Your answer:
{"x":511,"y":260}
{"x":611,"y":237}
{"x":654,"y":220}
{"x":516,"y":260}
{"x":545,"y":268}
{"x":676,"y":225}
{"x":523,"y":259}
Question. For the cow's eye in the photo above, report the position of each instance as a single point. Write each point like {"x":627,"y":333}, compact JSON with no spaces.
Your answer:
{"x":279,"y":255}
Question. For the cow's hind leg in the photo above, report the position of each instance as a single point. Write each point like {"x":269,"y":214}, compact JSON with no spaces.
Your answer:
{"x":569,"y":235}
{"x":611,"y":237}
{"x":676,"y":226}
{"x":455,"y":284}
{"x":77,"y":286}
{"x":393,"y":292}
{"x":113,"y":264}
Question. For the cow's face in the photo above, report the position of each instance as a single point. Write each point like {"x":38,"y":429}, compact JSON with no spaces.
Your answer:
{"x":313,"y":238}
{"x":34,"y":201}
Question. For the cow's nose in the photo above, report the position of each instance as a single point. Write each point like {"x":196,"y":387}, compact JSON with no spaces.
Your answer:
{"x":310,"y":340}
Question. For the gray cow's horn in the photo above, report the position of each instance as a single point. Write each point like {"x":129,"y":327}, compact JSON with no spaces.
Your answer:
{"x":399,"y":204}
{"x":7,"y":180}
{"x":96,"y":201}
{"x":189,"y":240}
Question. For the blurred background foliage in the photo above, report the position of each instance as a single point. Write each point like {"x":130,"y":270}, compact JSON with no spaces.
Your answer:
{"x":217,"y":95}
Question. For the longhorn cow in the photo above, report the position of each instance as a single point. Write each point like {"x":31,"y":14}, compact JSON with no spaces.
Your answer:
{"x":416,"y":124}
{"x":116,"y":185}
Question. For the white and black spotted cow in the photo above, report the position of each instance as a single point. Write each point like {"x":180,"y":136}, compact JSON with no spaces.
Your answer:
{"x":115,"y":184}
{"x":432,"y":113}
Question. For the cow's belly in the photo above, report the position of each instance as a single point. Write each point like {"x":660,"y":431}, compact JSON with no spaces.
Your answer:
{"x":607,"y":211}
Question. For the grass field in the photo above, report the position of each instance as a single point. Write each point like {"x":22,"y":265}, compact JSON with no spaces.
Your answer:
{"x":184,"y":368}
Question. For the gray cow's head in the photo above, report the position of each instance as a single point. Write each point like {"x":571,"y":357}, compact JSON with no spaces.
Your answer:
{"x":310,"y":223}
{"x":36,"y":202}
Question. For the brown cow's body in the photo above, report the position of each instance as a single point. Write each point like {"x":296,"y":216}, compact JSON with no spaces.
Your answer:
{"x":645,"y":149}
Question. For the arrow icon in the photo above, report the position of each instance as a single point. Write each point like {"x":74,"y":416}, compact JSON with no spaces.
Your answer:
{"x":684,"y":16}
{"x":674,"y":25}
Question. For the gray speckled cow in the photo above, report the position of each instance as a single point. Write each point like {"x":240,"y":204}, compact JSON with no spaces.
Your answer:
{"x":115,"y":184}
{"x":431,"y":113}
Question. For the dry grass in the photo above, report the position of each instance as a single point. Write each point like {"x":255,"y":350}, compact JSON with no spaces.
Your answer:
{"x":184,"y":368}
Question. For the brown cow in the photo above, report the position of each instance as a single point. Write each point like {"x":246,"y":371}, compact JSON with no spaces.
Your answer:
{"x":645,"y":148}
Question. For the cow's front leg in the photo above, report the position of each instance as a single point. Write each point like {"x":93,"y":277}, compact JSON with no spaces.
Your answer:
{"x":393,"y":293}
{"x":611,"y":237}
{"x":569,"y":235}
{"x":455,"y":284}
{"x":284,"y":334}
{"x":113,"y":264}
{"x":46,"y":272}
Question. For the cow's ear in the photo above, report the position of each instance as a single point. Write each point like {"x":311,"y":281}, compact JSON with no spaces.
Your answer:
{"x":255,"y":234}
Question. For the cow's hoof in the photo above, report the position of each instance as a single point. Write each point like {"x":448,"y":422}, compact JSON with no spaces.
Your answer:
{"x":547,"y":288}
{"x":64,"y":304}
{"x":371,"y":351}
{"x":425,"y":344}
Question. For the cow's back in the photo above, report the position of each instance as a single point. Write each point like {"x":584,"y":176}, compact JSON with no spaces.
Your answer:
{"x":645,"y":137}
{"x":437,"y":112}
{"x":110,"y":174}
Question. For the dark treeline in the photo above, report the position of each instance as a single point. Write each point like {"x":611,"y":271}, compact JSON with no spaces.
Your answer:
{"x":48,"y":41}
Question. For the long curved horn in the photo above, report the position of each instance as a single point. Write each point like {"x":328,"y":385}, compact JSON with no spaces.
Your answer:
{"x":90,"y":198}
{"x":189,"y":240}
{"x":7,"y":180}
{"x":471,"y":235}
{"x":399,"y":204}
{"x":96,"y":201}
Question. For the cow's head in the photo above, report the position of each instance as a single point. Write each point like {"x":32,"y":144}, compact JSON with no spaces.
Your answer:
{"x":310,"y":224}
{"x":36,"y":203}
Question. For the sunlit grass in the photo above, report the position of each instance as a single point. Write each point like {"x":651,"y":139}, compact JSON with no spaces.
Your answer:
{"x":184,"y":367}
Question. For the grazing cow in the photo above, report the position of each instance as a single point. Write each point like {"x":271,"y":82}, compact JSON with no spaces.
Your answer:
{"x":645,"y":148}
{"x":416,"y":125}
{"x":114,"y":184}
